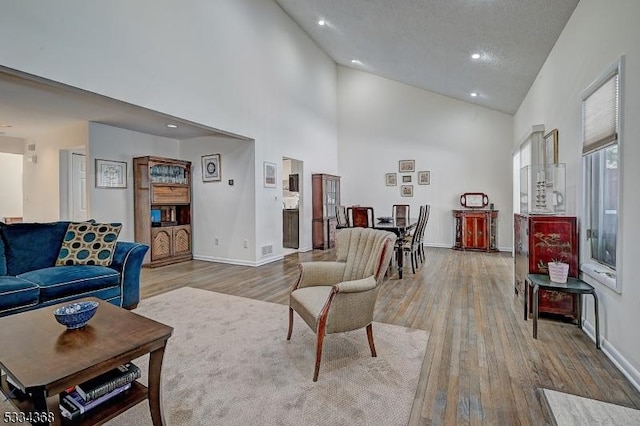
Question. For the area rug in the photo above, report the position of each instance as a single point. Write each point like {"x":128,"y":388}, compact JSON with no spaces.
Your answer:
{"x":229,"y":363}
{"x":570,"y":410}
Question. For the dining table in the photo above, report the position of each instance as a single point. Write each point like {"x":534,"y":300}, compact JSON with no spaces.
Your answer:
{"x":401,"y":227}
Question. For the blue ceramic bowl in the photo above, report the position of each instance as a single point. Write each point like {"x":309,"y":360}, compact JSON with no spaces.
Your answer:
{"x":75,"y":315}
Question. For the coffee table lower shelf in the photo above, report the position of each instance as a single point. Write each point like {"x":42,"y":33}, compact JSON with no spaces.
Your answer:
{"x":97,"y":415}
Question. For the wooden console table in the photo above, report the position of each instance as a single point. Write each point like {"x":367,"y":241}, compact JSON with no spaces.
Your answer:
{"x":45,"y":359}
{"x":572,"y":286}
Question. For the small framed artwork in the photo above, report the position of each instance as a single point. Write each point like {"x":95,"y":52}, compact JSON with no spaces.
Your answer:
{"x":406,"y":190}
{"x":390,"y":179}
{"x":405,"y":166}
{"x":111,"y":174}
{"x":424,"y":178}
{"x":406,"y":178}
{"x":270,"y":174}
{"x":551,"y":147}
{"x":211,"y":168}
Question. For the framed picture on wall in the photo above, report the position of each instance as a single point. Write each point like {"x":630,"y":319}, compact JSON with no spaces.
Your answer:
{"x":550,"y":143}
{"x":406,"y":190}
{"x":270,"y":174}
{"x":111,"y":174}
{"x":406,"y":178}
{"x":424,"y":178}
{"x":211,"y":168}
{"x":390,"y":179}
{"x":405,"y":166}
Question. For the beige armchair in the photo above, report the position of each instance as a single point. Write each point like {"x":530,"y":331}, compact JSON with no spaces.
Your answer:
{"x":334,"y":297}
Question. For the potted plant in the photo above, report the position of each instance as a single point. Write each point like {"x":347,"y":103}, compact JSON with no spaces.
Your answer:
{"x":558,"y":271}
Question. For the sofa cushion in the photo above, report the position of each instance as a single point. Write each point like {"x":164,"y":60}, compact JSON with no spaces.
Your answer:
{"x":17,"y":293}
{"x":30,"y":246}
{"x":60,"y":281}
{"x":88,"y":244}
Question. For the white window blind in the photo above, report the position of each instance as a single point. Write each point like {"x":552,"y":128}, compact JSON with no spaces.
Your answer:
{"x":600,"y":116}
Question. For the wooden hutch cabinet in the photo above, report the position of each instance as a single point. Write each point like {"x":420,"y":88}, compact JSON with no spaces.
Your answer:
{"x":475,"y":230}
{"x":539,"y":239}
{"x":325,"y":198}
{"x":162,"y":208}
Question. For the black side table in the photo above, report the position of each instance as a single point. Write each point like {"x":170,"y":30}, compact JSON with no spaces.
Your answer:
{"x":573,"y":285}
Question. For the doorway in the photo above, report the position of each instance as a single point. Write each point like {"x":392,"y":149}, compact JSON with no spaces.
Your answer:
{"x":291,"y":204}
{"x":73,"y":185}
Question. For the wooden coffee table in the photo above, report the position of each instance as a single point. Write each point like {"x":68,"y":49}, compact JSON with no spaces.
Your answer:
{"x":45,"y":359}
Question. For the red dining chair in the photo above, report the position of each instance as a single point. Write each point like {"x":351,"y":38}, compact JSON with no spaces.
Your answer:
{"x":360,"y":217}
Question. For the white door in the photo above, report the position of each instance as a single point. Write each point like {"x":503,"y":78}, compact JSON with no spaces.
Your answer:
{"x":78,"y":187}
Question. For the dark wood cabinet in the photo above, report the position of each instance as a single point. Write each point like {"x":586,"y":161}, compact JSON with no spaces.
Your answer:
{"x":539,"y":239}
{"x":475,"y":230}
{"x":325,"y":198}
{"x":290,"y":228}
{"x":162,"y":208}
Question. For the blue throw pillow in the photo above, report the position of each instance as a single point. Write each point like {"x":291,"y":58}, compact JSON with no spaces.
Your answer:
{"x":89,"y":244}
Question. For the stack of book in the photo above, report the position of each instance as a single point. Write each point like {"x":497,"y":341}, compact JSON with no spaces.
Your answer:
{"x":85,"y":396}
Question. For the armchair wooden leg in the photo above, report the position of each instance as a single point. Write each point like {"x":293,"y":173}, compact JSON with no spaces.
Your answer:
{"x":290,"y":323}
{"x":370,"y":338}
{"x":321,"y":333}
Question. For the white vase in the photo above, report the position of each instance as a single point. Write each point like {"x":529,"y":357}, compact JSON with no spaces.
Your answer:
{"x":558,"y":272}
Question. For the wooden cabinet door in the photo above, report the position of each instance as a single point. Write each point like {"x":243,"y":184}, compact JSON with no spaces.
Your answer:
{"x":475,"y":235}
{"x":181,"y":240}
{"x":161,"y":243}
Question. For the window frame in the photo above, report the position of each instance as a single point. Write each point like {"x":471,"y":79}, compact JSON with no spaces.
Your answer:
{"x":593,"y":269}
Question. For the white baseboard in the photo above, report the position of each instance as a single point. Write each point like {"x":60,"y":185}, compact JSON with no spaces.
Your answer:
{"x":616,"y":357}
{"x":240,"y":262}
{"x":440,"y":245}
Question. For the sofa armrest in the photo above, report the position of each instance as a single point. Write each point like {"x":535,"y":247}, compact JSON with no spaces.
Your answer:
{"x":127,"y":259}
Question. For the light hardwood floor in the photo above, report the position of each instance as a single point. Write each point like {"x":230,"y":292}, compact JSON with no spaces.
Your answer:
{"x":482,"y":364}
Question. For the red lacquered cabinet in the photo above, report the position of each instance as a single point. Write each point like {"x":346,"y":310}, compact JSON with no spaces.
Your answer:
{"x":539,"y":239}
{"x":475,"y":230}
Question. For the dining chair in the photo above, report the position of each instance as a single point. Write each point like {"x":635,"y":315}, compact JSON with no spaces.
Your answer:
{"x":339,"y":296}
{"x":424,"y":226}
{"x":341,"y":217}
{"x":412,"y":244}
{"x":360,"y":217}
{"x":401,"y":210}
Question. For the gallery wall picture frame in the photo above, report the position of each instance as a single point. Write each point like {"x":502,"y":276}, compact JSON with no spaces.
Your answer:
{"x":390,"y":179}
{"x":406,"y":190}
{"x":550,"y":147}
{"x":424,"y":177}
{"x":405,"y":166}
{"x":111,"y":174}
{"x":211,"y":168}
{"x":270,"y":172}
{"x":406,"y":178}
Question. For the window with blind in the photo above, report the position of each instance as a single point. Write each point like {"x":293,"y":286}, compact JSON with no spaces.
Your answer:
{"x":601,"y":165}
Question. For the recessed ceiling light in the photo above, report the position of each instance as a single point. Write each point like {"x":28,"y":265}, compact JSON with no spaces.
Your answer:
{"x":473,"y":94}
{"x":172,"y":126}
{"x":476,"y":56}
{"x":322,"y":22}
{"x":5,"y":125}
{"x":356,"y":61}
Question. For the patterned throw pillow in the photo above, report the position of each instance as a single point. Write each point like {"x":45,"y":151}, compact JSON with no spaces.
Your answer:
{"x":89,"y":244}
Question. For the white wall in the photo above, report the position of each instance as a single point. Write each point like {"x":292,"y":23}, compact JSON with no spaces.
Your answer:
{"x":112,"y":143}
{"x":221,"y":210}
{"x":11,"y":145}
{"x":41,"y":186}
{"x":237,"y":65}
{"x":467,"y":148}
{"x":597,"y":34}
{"x":11,"y":191}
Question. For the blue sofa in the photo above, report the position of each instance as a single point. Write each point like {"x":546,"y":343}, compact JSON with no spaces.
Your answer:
{"x":29,"y":278}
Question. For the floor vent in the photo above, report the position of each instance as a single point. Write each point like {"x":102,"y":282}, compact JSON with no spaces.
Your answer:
{"x":268,"y":249}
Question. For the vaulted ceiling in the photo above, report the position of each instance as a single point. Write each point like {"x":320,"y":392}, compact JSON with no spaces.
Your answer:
{"x":429,"y":43}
